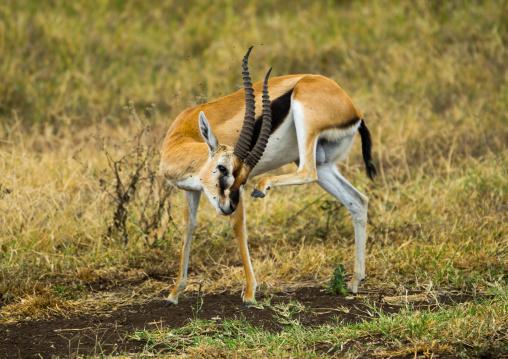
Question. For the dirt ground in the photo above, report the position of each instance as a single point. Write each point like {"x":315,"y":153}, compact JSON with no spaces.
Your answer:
{"x":108,"y":334}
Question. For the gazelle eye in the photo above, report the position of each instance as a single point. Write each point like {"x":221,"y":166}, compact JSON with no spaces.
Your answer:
{"x":222,"y":169}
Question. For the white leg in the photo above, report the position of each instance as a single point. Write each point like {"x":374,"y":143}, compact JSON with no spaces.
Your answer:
{"x":190,"y":210}
{"x":306,"y":152}
{"x":332,"y":181}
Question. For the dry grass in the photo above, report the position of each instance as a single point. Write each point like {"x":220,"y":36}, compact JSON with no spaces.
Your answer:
{"x":430,"y":79}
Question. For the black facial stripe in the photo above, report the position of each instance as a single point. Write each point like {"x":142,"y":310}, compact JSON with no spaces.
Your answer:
{"x":235,"y":197}
{"x":280,"y":109}
{"x":223,"y":184}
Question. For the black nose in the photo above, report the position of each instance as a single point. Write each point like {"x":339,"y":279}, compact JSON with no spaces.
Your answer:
{"x":235,"y":197}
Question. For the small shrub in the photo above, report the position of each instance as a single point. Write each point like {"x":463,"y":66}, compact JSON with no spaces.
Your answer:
{"x":337,"y":285}
{"x":138,"y":196}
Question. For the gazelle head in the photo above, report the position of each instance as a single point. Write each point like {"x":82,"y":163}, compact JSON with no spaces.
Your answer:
{"x":227,"y":169}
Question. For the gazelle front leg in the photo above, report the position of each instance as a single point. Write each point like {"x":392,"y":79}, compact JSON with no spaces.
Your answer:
{"x":190,"y":210}
{"x":300,"y":177}
{"x":240,"y":230}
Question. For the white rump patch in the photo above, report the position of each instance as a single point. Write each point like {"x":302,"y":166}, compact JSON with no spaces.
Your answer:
{"x":336,"y":134}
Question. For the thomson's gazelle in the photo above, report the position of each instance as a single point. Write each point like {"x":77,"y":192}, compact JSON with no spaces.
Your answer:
{"x":216,"y":146}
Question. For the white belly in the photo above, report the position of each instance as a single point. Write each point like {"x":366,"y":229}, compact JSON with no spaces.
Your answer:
{"x":281,"y":149}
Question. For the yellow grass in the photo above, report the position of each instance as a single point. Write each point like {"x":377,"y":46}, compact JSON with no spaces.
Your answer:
{"x":430,"y":80}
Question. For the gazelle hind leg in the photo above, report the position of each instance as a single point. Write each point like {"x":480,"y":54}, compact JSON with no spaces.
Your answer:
{"x":330,"y":179}
{"x":306,"y":153}
{"x":190,"y":210}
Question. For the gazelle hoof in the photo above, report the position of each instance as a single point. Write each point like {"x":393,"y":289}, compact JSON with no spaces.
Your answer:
{"x":169,"y":303}
{"x":257,"y":193}
{"x":247,"y":305}
{"x":352,"y":289}
{"x":352,"y":286}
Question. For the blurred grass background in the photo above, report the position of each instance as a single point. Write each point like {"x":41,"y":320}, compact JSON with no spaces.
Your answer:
{"x":79,"y":62}
{"x":429,"y":77}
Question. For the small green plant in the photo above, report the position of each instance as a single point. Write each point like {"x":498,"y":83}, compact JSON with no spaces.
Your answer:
{"x":288,"y":313}
{"x":337,"y":285}
{"x":68,"y":293}
{"x":199,"y":303}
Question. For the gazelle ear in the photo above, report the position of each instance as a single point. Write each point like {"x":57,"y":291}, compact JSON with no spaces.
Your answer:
{"x":207,"y":134}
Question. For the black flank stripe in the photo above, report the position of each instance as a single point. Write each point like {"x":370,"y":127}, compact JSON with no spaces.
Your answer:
{"x":348,"y":123}
{"x":280,"y":109}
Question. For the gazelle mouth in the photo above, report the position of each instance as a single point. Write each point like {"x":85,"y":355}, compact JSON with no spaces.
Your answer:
{"x":227,"y":212}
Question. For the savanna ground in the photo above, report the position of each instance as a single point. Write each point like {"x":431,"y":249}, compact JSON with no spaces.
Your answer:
{"x":85,"y":262}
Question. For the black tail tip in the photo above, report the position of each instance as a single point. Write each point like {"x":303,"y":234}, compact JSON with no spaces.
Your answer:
{"x":366,"y":150}
{"x":371,"y":170}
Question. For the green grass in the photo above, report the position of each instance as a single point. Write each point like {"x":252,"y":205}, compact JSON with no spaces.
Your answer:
{"x":464,"y":329}
{"x":430,"y":79}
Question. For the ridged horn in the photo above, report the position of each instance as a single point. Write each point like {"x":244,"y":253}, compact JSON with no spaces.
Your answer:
{"x":242,"y":145}
{"x":266,"y":128}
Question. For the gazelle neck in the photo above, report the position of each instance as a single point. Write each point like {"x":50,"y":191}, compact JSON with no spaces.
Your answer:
{"x":182,"y":163}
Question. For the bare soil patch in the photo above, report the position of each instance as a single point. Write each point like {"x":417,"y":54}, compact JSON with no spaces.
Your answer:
{"x":108,"y":333}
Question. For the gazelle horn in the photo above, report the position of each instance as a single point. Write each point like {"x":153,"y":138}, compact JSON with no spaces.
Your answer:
{"x":266,"y":127}
{"x":242,"y":145}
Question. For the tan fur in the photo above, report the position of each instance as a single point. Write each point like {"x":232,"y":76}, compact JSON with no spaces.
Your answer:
{"x":225,"y":114}
{"x":187,"y":162}
{"x":239,"y":228}
{"x":326,"y":103}
{"x":327,"y":106}
{"x":184,"y":152}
